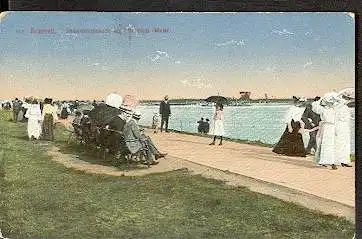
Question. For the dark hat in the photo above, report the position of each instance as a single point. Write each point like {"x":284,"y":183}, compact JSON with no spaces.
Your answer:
{"x":47,"y":101}
{"x":136,"y":116}
{"x":126,"y":110}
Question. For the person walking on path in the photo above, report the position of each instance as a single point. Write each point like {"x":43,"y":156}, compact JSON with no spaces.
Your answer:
{"x":291,"y":141}
{"x":343,"y":132}
{"x":218,"y":124}
{"x":326,"y":152}
{"x":311,"y":120}
{"x":49,"y":117}
{"x":165,"y":112}
{"x":16,"y":109}
{"x":34,"y":120}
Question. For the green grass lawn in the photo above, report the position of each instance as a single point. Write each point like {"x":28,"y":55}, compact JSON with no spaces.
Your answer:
{"x":43,"y":199}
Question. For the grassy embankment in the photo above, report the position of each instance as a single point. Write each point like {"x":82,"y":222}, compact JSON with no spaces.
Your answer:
{"x":43,"y":199}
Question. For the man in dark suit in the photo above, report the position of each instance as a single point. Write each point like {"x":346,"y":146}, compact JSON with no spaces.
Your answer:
{"x":311,"y":120}
{"x":165,"y":113}
{"x":16,"y":109}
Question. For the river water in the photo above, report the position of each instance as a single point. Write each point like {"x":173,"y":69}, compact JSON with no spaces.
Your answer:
{"x":258,"y":122}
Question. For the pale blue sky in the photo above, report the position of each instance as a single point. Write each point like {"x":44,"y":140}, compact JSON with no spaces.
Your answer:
{"x":208,"y":47}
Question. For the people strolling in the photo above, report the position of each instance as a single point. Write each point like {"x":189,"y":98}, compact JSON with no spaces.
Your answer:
{"x":343,"y":131}
{"x":34,"y":116}
{"x":326,"y":151}
{"x":16,"y":109}
{"x":49,"y":117}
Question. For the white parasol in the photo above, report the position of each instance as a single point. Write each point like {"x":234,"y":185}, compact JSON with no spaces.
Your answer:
{"x":114,"y":100}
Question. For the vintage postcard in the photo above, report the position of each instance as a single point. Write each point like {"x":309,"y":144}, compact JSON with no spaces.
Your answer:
{"x":177,"y":125}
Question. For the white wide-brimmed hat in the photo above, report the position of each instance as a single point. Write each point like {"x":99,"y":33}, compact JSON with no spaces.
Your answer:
{"x":348,"y":92}
{"x":114,"y":100}
{"x":331,"y":97}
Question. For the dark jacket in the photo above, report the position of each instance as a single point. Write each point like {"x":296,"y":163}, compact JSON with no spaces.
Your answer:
{"x":310,"y":114}
{"x":165,"y":110}
{"x":117,"y":124}
{"x":103,"y":114}
{"x":16,"y":105}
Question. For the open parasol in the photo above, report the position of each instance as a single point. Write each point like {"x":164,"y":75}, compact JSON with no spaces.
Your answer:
{"x":85,"y":107}
{"x":217,"y":99}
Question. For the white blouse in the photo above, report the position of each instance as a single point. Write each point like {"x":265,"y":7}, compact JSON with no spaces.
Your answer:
{"x":294,"y":113}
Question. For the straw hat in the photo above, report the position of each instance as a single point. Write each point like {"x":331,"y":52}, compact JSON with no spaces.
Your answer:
{"x":126,"y":109}
{"x":130,"y":101}
{"x":137,"y":114}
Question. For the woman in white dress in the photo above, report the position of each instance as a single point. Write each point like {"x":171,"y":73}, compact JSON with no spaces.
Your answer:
{"x":34,"y":116}
{"x":325,"y":154}
{"x":218,"y":124}
{"x":343,"y":132}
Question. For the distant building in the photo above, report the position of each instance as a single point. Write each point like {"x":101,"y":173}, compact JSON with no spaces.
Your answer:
{"x":245,"y":95}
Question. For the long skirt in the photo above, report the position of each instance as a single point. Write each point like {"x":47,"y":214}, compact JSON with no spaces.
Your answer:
{"x":21,"y":115}
{"x":291,"y":144}
{"x":48,"y":128}
{"x":34,"y":128}
{"x":325,"y":153}
{"x":343,"y":143}
{"x":217,"y":128}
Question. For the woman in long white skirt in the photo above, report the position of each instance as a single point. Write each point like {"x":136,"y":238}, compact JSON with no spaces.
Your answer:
{"x":343,"y":133}
{"x":217,"y":128}
{"x":325,"y":154}
{"x":34,"y":120}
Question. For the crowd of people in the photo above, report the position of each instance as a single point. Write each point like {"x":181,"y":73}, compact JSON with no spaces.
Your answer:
{"x":39,"y":115}
{"x":217,"y":127}
{"x":119,"y":117}
{"x":327,"y":120}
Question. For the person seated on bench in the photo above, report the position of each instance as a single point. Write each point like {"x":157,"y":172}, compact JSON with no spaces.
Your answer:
{"x":136,"y":141}
{"x":77,"y":122}
{"x":137,"y":116}
{"x":115,"y":126}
